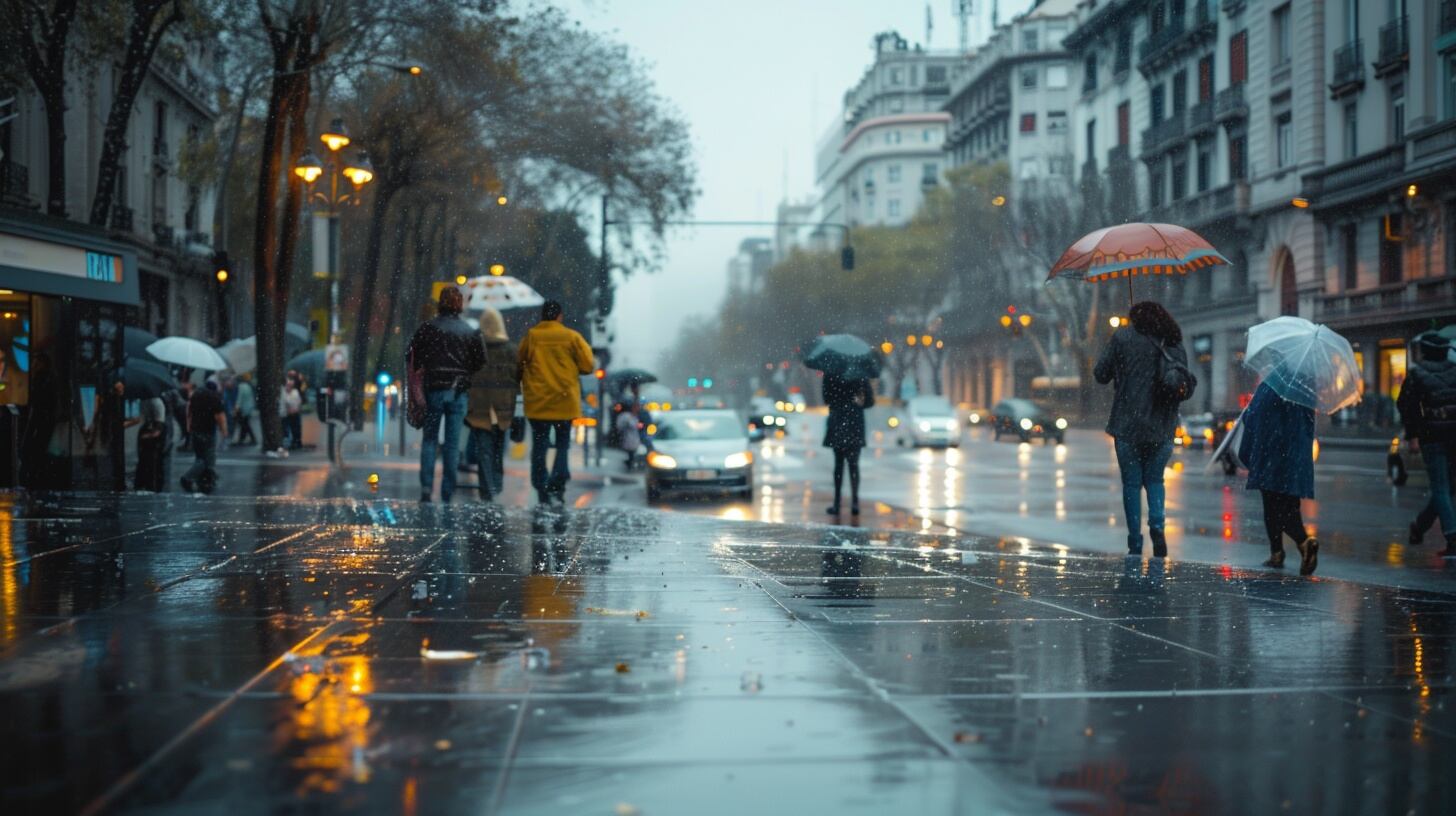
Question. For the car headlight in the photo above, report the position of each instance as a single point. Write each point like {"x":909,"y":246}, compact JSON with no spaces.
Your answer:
{"x":924,"y":426}
{"x":1061,"y":423}
{"x":767,"y":420}
{"x":953,"y":426}
{"x":1026,"y":423}
{"x":780,"y":421}
{"x":975,"y":418}
{"x":893,"y":422}
{"x":661,"y":461}
{"x":738,"y":460}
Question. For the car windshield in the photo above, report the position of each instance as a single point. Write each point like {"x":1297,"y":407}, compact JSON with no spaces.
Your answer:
{"x":1023,"y":408}
{"x":931,"y":407}
{"x":715,"y":425}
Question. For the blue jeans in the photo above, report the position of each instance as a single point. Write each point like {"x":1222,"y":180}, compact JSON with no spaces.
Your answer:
{"x":490,"y":459}
{"x":441,"y":405}
{"x":1438,"y":469}
{"x":541,"y":430}
{"x":1142,"y":469}
{"x":203,"y":473}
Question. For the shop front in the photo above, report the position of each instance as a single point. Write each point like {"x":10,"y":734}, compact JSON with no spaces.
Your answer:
{"x":64,"y":294}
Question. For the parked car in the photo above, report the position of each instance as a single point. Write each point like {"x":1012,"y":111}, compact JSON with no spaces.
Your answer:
{"x":1026,"y":420}
{"x":699,"y":451}
{"x":930,"y":421}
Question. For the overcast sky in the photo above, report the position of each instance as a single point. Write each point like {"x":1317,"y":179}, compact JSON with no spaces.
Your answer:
{"x":757,"y":82}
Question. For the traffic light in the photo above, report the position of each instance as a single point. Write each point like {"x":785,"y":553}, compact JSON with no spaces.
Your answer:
{"x":707,"y":382}
{"x":223,"y":269}
{"x":601,"y":374}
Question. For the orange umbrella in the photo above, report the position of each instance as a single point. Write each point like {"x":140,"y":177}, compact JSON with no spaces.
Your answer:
{"x":1127,"y":250}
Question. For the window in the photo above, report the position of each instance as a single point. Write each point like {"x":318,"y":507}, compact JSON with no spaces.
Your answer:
{"x":159,"y":129}
{"x":1180,"y":179}
{"x":1352,"y":132}
{"x":1155,"y":103}
{"x":929,"y":173}
{"x":1239,"y":58}
{"x":1123,"y":54}
{"x":897,"y":76}
{"x":1060,"y":166}
{"x":1391,"y":227}
{"x":1056,"y":121}
{"x":1397,"y":112}
{"x":1180,"y":92}
{"x":1028,"y":77}
{"x":1279,"y":33}
{"x":914,"y":75}
{"x":896,"y":104}
{"x":1205,"y":78}
{"x":1029,"y":39}
{"x":1288,"y":285}
{"x":893,"y":173}
{"x":1056,"y":77}
{"x":1155,"y":186}
{"x":1124,"y":124}
{"x":1237,"y":157}
{"x":1283,"y":140}
{"x":1157,"y":18}
{"x":893,"y":137}
{"x":189,"y":218}
{"x":1028,"y":123}
{"x":1349,"y":257}
{"x":1089,"y":73}
{"x":1205,"y":166}
{"x":892,"y":207}
{"x":1449,"y":86}
{"x":1352,"y":20}
{"x":934,"y":74}
{"x":926,"y":135}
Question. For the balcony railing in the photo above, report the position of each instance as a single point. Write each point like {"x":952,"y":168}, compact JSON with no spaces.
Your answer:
{"x":1156,"y":43}
{"x":1230,"y":104}
{"x":1118,"y":156}
{"x":165,"y":236}
{"x":1122,"y":61}
{"x":14,"y":181}
{"x":1403,"y":298}
{"x":1394,"y":46}
{"x":1206,"y":207}
{"x":1159,"y":136}
{"x":1349,"y":73}
{"x":1357,"y":172}
{"x":1434,"y":140}
{"x":1200,"y":116}
{"x":121,"y":218}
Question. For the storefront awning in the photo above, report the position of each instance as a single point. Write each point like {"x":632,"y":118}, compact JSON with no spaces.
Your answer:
{"x":48,"y":259}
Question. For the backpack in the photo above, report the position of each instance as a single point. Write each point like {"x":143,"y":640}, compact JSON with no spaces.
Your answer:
{"x":1174,"y":382}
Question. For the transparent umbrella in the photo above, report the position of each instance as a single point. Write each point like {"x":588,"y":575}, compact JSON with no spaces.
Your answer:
{"x":1305,"y":363}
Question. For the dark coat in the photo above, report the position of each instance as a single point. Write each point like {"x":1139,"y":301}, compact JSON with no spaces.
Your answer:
{"x":448,"y":351}
{"x":1278,"y":444}
{"x":1427,"y":401}
{"x":846,"y":427}
{"x":495,"y":385}
{"x":1130,"y":362}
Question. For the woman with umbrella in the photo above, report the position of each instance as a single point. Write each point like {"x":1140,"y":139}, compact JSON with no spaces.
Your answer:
{"x":848,"y":364}
{"x":1304,"y":368}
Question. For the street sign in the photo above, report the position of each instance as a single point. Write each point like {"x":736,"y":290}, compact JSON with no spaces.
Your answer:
{"x":336,"y":357}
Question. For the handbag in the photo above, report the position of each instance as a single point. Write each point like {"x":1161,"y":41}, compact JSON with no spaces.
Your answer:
{"x":415,"y":406}
{"x":1174,"y":382}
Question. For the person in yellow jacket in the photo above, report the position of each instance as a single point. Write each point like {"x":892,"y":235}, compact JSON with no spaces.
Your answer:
{"x":551,"y":358}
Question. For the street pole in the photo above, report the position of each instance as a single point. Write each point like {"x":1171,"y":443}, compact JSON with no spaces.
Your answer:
{"x":604,"y":280}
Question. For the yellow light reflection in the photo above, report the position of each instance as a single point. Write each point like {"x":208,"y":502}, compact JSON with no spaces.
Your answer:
{"x":330,"y":723}
{"x":9,"y":585}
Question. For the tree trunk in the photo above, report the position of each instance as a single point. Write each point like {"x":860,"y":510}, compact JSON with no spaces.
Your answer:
{"x":290,"y":226}
{"x":265,"y":252}
{"x":394,"y":294}
{"x":378,"y":213}
{"x":55,"y":115}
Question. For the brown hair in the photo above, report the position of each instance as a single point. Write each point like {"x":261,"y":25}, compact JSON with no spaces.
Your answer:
{"x":451,"y":301}
{"x":1150,"y":318}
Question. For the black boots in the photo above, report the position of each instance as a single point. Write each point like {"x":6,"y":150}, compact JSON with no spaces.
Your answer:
{"x":1276,"y":560}
{"x":1308,"y":555}
{"x":1160,"y":543}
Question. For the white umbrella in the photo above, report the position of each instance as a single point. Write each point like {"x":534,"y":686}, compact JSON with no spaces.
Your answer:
{"x":499,"y":292}
{"x":1305,"y":363}
{"x":241,"y":355}
{"x":188,"y":353}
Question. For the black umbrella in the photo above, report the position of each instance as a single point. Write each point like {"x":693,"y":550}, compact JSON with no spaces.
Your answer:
{"x":627,"y":376}
{"x":145,"y":379}
{"x":843,"y":355}
{"x":134,"y":341}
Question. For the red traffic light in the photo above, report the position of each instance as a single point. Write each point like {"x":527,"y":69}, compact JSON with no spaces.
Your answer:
{"x":1010,"y":310}
{"x":601,"y":373}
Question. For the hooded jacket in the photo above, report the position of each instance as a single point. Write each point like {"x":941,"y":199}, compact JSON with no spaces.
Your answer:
{"x":552,"y":357}
{"x":1130,"y":362}
{"x":1427,"y":400}
{"x":494,"y":387}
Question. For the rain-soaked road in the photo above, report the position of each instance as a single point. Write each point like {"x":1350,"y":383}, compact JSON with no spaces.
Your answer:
{"x":232,"y":654}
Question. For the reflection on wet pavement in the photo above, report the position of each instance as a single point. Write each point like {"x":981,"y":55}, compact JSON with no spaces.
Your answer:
{"x":168,"y":654}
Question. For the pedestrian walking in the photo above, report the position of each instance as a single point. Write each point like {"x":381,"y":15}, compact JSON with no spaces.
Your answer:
{"x":1427,"y":406}
{"x":290,"y":407}
{"x":845,"y":432}
{"x":1143,"y":361}
{"x":447,"y":351}
{"x":552,"y":357}
{"x":492,"y":403}
{"x":246,"y":407}
{"x":206,"y":416}
{"x":629,"y":437}
{"x":176,"y":401}
{"x":151,"y":447}
{"x":1278,"y":448}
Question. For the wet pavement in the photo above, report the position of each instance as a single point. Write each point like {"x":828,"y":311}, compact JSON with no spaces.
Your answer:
{"x":181,"y":654}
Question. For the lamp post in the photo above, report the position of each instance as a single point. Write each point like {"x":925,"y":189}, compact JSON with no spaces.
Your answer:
{"x":328,"y":205}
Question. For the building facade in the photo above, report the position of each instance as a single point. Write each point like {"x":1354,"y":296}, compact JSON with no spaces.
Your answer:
{"x":873,"y":166}
{"x":747,"y":268}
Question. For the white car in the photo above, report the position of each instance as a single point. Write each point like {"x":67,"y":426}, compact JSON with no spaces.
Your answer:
{"x":700,"y":451}
{"x":930,"y":421}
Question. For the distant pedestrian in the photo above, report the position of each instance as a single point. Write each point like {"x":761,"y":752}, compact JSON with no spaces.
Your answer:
{"x":151,"y":447}
{"x":206,"y":417}
{"x":176,"y":400}
{"x":1144,"y":414}
{"x":1427,"y":406}
{"x":629,"y":435}
{"x":552,"y":358}
{"x":290,"y":408}
{"x":448,"y":352}
{"x":492,"y":404}
{"x":1278,"y":448}
{"x":247,"y":406}
{"x":845,"y":433}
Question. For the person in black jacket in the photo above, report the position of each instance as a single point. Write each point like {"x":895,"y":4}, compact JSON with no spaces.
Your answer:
{"x":448,"y":352}
{"x":845,"y":432}
{"x":1427,"y":406}
{"x":1141,"y":424}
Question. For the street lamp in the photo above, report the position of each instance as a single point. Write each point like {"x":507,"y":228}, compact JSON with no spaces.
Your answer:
{"x":328,"y":206}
